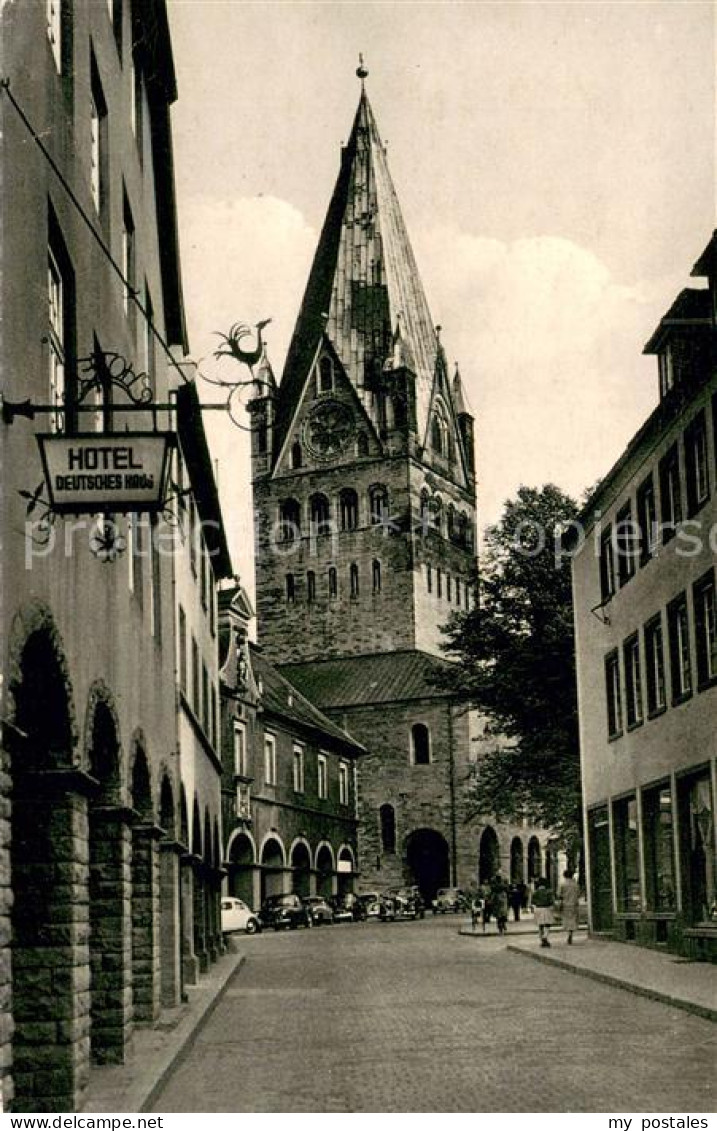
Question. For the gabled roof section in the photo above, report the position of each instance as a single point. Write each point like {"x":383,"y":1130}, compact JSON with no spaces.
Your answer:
{"x":279,"y":697}
{"x":393,"y":677}
{"x":363,"y":278}
{"x":691,"y":309}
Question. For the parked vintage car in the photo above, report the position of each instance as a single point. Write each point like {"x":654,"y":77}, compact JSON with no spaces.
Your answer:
{"x":286,"y":910}
{"x":449,"y":900}
{"x":237,"y":916}
{"x":319,"y":908}
{"x":370,"y":902}
{"x":348,"y":908}
{"x":402,"y":903}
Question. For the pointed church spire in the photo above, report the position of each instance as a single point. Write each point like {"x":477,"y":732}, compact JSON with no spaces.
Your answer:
{"x":364,"y":272}
{"x":459,"y":403}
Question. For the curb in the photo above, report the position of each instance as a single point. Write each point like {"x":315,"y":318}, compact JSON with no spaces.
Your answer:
{"x":186,"y":1041}
{"x":703,"y":1011}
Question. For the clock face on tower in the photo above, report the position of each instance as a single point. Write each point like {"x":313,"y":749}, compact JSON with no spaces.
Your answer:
{"x":329,"y":429}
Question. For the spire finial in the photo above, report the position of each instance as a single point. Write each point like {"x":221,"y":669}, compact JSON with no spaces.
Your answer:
{"x":361,"y":71}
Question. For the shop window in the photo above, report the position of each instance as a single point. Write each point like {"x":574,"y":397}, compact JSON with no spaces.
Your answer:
{"x":658,"y":839}
{"x":633,"y":681}
{"x":420,"y":745}
{"x":612,"y":691}
{"x":627,"y":854}
{"x":706,"y":629}
{"x":655,"y":666}
{"x":387,"y":819}
{"x":697,"y":476}
{"x":670,"y":493}
{"x":696,"y":818}
{"x":679,"y":636}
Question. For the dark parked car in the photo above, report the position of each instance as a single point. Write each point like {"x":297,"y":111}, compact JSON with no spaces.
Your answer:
{"x":348,"y":908}
{"x":403,"y":903}
{"x":369,"y":905}
{"x":319,"y":909}
{"x":279,"y":911}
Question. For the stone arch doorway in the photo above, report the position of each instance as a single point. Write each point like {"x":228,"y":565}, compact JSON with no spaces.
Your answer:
{"x":427,"y":860}
{"x":301,"y":868}
{"x":242,"y":858}
{"x":145,"y":894}
{"x":517,"y":874}
{"x":325,"y":871}
{"x":534,"y":859}
{"x":272,"y":868}
{"x":110,"y":853}
{"x":41,"y":739}
{"x":488,"y":855}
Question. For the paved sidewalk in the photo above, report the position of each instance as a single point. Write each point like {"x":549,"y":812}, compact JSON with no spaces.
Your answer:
{"x":130,"y":1087}
{"x":663,"y":977}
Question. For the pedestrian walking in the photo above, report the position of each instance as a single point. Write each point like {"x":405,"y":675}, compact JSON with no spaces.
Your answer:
{"x":543,"y":901}
{"x":500,"y":903}
{"x":515,"y":899}
{"x":486,"y":896}
{"x":569,"y":898}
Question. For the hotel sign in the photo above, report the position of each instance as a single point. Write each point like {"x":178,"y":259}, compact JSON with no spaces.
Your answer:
{"x":93,"y":472}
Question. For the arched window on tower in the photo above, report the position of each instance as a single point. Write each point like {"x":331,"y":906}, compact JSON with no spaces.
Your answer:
{"x":289,"y":520}
{"x":320,"y":520}
{"x":451,"y":522}
{"x":354,"y":579}
{"x":290,"y":589}
{"x":420,"y":744}
{"x":296,"y":455}
{"x":440,"y":432}
{"x":376,"y":575}
{"x":348,"y":509}
{"x":437,"y":514}
{"x":462,"y":535}
{"x":333,"y":582}
{"x":378,"y":500}
{"x":326,"y":375}
{"x":387,"y":818}
{"x":425,"y":510}
{"x":310,"y":586}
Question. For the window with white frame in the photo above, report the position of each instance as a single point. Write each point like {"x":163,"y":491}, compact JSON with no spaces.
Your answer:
{"x":98,"y":138}
{"x":269,"y":759}
{"x":322,"y":776}
{"x":53,"y":11}
{"x":240,"y":753}
{"x":56,"y":339}
{"x":614,"y":698}
{"x":706,"y":628}
{"x":343,"y":783}
{"x":697,"y":476}
{"x":670,"y":493}
{"x":298,"y":769}
{"x":679,"y":635}
{"x":633,"y":681}
{"x":655,"y":666}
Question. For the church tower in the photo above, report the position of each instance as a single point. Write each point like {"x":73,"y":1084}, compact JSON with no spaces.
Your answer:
{"x":363,"y":465}
{"x":364,"y":492}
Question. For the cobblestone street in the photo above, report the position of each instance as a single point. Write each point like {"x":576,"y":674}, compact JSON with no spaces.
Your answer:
{"x":412,"y":1017}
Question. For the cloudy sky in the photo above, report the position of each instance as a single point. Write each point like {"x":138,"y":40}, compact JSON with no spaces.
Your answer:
{"x":555,"y":164}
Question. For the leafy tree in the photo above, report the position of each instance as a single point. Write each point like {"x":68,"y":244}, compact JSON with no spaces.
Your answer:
{"x":515,"y":663}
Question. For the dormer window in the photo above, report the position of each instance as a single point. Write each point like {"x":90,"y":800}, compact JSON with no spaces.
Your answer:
{"x":326,"y":375}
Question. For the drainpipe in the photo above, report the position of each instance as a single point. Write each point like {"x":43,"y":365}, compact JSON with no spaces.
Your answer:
{"x":452,"y":786}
